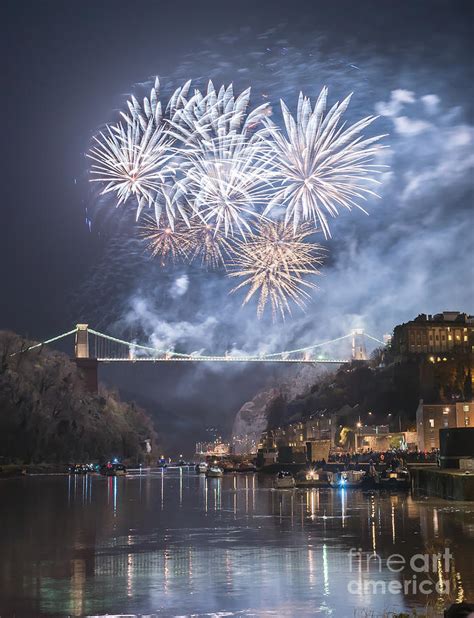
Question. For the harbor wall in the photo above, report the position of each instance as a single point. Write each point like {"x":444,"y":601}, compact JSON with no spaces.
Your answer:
{"x":448,"y":484}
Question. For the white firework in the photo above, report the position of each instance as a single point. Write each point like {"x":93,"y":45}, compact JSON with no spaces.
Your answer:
{"x":133,"y":164}
{"x":216,"y":114}
{"x":320,"y":164}
{"x":225,"y":181}
{"x":136,"y":158}
{"x":225,"y":159}
{"x":151,"y":109}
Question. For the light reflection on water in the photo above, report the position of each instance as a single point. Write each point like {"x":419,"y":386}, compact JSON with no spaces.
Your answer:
{"x":170,"y":543}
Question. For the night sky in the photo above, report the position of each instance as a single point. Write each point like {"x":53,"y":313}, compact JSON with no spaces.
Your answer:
{"x":69,"y":66}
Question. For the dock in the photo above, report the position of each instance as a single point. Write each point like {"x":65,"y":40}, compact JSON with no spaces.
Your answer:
{"x":450,"y":484}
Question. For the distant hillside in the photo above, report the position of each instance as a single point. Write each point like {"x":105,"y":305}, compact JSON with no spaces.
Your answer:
{"x":47,"y":414}
{"x":380,"y":386}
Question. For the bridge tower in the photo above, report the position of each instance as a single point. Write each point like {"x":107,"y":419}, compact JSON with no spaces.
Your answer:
{"x":358,"y":345}
{"x":87,"y":366}
{"x":81,"y":346}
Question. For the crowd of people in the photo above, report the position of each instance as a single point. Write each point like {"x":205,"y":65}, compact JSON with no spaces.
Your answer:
{"x":390,"y":459}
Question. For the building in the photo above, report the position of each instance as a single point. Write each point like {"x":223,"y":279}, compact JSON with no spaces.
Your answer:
{"x":378,"y":438}
{"x":217,"y":448}
{"x":244,"y":444}
{"x":302,"y":440}
{"x":430,"y":418}
{"x":443,"y":333}
{"x":319,"y":426}
{"x":371,"y":438}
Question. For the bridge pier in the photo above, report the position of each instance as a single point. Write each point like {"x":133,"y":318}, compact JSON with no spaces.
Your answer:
{"x":88,"y":367}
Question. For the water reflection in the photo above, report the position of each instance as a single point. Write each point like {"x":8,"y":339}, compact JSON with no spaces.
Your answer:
{"x":176,"y":542}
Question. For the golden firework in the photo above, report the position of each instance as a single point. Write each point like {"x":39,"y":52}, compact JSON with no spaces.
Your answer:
{"x":208,"y":245}
{"x":168,"y":243}
{"x":274,"y":263}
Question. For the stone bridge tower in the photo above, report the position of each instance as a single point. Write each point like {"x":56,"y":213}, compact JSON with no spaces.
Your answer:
{"x":87,"y":366}
{"x":358,"y":345}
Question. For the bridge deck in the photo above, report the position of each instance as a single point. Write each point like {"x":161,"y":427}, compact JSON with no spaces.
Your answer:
{"x":225,"y":359}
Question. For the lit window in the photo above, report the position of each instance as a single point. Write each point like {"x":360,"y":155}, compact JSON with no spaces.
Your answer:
{"x":432,"y":422}
{"x":446,"y":411}
{"x":465,"y":408}
{"x":465,"y":337}
{"x":446,"y":422}
{"x":467,"y":421}
{"x":450,"y":337}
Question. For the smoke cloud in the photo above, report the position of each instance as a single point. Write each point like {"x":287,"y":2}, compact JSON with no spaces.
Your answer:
{"x":412,"y":254}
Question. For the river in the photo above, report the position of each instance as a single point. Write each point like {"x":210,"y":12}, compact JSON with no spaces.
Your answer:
{"x":176,"y":543}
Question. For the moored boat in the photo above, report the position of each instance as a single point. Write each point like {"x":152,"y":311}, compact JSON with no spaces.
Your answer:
{"x":201,"y":467}
{"x":311,"y":478}
{"x":346,"y":479}
{"x":247,"y":467}
{"x":284,"y":480}
{"x":113,"y":469}
{"x":394,"y":479}
{"x":80,"y":468}
{"x":214,"y":472}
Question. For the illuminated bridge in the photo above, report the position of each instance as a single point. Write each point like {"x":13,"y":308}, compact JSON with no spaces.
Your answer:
{"x":100,"y":347}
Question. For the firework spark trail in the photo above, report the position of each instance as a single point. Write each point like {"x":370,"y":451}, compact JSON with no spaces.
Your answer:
{"x":320,"y":164}
{"x":273,"y":263}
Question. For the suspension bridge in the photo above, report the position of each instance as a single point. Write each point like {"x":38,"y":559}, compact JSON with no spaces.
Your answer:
{"x":94,"y":345}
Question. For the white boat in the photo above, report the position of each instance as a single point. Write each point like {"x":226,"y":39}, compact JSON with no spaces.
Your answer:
{"x":348,"y":478}
{"x":284,"y":480}
{"x":214,"y":472}
{"x":201,"y":468}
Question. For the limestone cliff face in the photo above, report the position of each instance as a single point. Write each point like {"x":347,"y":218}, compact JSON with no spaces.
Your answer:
{"x":252,"y":418}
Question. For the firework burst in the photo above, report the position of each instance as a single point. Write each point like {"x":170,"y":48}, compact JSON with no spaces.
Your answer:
{"x":216,"y":114}
{"x":207,"y":245}
{"x":169,"y":244}
{"x":225,"y":181}
{"x":274,"y":263}
{"x":213,"y":169}
{"x":320,"y":164}
{"x":135,"y":158}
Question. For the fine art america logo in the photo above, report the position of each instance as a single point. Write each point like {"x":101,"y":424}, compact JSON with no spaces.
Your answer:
{"x":421,"y":574}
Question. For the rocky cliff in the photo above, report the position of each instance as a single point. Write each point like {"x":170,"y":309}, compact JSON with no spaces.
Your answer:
{"x":270,"y":404}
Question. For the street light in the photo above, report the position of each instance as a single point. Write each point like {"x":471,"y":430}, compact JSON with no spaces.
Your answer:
{"x":359,"y":425}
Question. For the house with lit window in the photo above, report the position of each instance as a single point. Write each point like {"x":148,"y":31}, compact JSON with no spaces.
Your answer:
{"x":435,"y":336}
{"x":430,"y":418}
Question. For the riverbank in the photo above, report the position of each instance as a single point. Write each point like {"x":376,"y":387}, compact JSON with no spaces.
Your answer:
{"x":17,"y":470}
